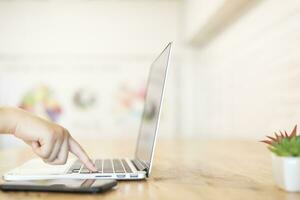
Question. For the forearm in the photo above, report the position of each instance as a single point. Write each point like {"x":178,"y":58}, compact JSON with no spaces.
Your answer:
{"x":8,"y":120}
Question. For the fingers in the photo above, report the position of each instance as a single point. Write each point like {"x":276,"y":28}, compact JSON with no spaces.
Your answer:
{"x":63,"y":153}
{"x":49,"y":147}
{"x":54,"y":147}
{"x":77,"y":150}
{"x":55,"y":150}
{"x":44,"y":149}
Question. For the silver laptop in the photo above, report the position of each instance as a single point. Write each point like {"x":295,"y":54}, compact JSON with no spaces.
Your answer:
{"x":138,"y":167}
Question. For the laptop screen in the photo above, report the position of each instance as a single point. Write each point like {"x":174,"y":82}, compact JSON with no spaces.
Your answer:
{"x":153,"y":99}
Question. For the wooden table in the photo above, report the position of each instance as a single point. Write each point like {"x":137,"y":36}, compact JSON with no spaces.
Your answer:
{"x":183,"y":169}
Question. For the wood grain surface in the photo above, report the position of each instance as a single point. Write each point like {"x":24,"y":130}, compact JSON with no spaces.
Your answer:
{"x":183,"y":169}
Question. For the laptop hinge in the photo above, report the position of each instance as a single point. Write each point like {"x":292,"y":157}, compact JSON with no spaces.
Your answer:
{"x":140,"y":165}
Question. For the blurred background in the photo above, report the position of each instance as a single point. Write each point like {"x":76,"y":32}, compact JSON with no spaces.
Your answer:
{"x":234,"y":71}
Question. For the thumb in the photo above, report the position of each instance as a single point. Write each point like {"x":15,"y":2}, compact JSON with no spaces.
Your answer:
{"x":42,"y":150}
{"x":35,"y":145}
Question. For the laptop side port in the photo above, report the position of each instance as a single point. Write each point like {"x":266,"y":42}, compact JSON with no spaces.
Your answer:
{"x":121,"y":175}
{"x":134,"y":175}
{"x":103,"y":176}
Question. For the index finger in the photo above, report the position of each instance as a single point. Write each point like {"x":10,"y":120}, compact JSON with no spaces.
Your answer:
{"x":77,"y":150}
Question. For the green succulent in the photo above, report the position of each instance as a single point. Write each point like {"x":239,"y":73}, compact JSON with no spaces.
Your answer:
{"x":287,"y":147}
{"x":284,"y":144}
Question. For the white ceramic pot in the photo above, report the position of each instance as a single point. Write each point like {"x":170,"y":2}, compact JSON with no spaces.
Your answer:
{"x":286,"y":171}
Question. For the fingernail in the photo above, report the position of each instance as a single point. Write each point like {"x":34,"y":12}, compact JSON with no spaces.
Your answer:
{"x":93,"y":167}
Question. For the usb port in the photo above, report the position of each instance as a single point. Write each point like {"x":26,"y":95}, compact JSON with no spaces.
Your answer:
{"x":121,"y":175}
{"x":133,"y":175}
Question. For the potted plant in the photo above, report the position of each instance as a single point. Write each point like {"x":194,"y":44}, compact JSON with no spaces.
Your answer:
{"x":285,"y":150}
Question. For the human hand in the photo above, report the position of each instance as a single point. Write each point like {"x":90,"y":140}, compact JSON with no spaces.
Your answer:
{"x":48,"y":140}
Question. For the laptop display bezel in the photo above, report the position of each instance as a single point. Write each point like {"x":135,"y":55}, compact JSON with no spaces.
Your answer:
{"x":149,"y":166}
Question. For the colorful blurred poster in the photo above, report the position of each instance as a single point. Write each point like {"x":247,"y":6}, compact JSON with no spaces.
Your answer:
{"x":90,"y":100}
{"x":41,"y":101}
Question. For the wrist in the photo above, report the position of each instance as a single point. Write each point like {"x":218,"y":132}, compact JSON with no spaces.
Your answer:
{"x":8,"y":120}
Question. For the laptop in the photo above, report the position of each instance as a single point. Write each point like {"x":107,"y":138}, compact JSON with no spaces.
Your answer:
{"x":136,"y":168}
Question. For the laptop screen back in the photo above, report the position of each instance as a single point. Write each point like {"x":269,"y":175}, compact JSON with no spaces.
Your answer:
{"x":153,"y":100}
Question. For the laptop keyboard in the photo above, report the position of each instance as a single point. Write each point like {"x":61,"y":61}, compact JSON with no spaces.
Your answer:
{"x":103,"y":166}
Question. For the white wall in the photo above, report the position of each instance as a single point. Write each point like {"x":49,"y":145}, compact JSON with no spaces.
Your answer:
{"x":248,"y":75}
{"x":241,"y":83}
{"x":95,"y":44}
{"x":90,"y":27}
{"x":197,"y":14}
